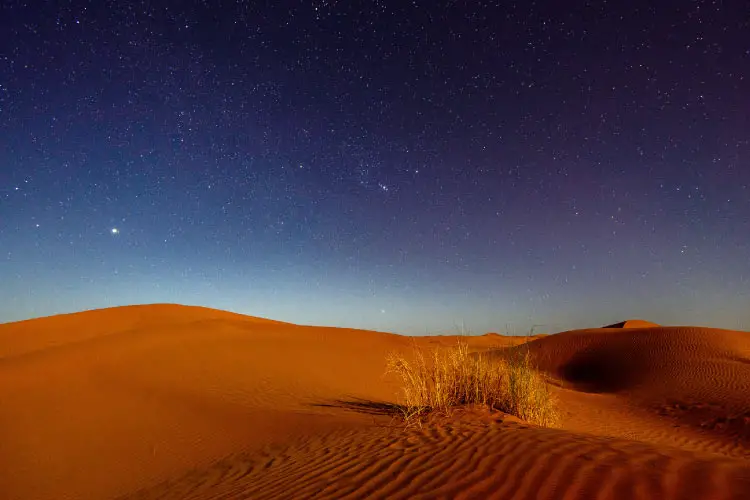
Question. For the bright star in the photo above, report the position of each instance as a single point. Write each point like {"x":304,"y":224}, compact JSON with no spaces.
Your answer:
{"x":114,"y":230}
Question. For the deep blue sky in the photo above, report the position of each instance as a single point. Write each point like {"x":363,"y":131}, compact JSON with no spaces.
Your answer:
{"x":393,"y":165}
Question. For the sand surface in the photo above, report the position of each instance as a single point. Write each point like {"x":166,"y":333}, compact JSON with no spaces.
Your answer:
{"x":177,"y":402}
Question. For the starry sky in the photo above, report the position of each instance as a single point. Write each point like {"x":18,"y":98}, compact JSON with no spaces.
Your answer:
{"x":414,"y":166}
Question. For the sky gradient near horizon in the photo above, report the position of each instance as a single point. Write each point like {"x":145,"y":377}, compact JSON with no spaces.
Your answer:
{"x":400,"y":166}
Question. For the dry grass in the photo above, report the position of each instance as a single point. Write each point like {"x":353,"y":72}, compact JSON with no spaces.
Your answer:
{"x":452,"y":377}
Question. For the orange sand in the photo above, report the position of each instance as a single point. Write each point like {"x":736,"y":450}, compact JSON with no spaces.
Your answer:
{"x":180,"y":402}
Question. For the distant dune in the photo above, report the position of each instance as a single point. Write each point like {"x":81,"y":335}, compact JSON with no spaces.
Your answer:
{"x":633,"y":323}
{"x":37,"y":334}
{"x":178,"y":402}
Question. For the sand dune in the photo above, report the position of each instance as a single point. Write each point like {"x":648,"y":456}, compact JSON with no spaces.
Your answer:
{"x":28,"y":336}
{"x":633,"y":323}
{"x":180,"y":402}
{"x":679,"y":362}
{"x":694,"y":378}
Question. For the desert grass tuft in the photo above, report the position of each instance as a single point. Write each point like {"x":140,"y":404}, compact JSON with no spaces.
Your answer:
{"x":527,"y":392}
{"x":452,"y":377}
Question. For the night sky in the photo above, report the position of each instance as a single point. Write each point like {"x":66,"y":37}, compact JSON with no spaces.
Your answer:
{"x":407,"y":166}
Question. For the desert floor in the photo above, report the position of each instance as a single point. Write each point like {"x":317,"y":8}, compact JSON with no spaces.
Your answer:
{"x":169,"y":401}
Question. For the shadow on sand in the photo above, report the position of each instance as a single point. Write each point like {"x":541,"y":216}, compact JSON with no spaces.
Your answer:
{"x":365,"y":406}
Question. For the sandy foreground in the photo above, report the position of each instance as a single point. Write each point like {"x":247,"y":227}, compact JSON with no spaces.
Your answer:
{"x":169,"y":401}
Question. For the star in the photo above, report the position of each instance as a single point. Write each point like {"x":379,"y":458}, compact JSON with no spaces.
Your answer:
{"x":114,"y":230}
